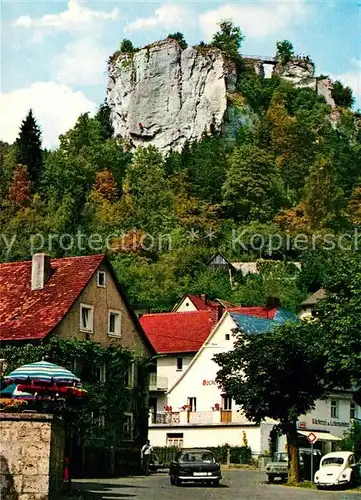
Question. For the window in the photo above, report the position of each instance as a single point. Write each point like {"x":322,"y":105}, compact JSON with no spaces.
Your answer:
{"x":352,"y":410}
{"x":86,"y":318}
{"x":101,"y":279}
{"x":227,"y":336}
{"x":226,"y":402}
{"x":192,"y":403}
{"x":114,"y":323}
{"x":97,"y":422}
{"x":334,"y":409}
{"x":179,"y":364}
{"x":129,"y":376}
{"x":175,"y":439}
{"x":101,"y":373}
{"x":128,"y":426}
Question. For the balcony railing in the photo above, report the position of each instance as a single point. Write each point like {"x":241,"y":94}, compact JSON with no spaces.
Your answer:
{"x":198,"y":418}
{"x":158,"y":383}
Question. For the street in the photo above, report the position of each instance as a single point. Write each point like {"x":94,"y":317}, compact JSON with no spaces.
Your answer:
{"x":240,"y":485}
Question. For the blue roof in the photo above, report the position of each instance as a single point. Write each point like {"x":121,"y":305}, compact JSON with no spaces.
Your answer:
{"x":254,"y":324}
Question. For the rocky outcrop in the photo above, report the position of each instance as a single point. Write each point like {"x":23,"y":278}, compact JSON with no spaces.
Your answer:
{"x":300,"y":72}
{"x":164,"y":96}
{"x":324,"y":89}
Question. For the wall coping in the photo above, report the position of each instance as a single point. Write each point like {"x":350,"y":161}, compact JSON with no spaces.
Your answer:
{"x":30,"y":417}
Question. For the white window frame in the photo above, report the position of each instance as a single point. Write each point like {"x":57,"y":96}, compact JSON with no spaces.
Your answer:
{"x":91,"y":310}
{"x":226,"y":402}
{"x":353,"y":410}
{"x":334,"y":408}
{"x":131,"y":436}
{"x":117,"y":333}
{"x":176,"y":441}
{"x":130,"y":381}
{"x":192,"y":403}
{"x":104,"y":273}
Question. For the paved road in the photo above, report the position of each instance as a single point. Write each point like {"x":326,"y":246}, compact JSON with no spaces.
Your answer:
{"x":236,"y":485}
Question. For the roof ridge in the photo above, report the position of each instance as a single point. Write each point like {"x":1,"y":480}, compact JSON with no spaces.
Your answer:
{"x":177,"y":313}
{"x":16,"y":262}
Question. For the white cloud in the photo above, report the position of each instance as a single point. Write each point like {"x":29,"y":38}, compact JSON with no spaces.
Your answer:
{"x":83,"y":62}
{"x":76,"y":17}
{"x":257,"y":20}
{"x":56,"y":108}
{"x":168,"y":16}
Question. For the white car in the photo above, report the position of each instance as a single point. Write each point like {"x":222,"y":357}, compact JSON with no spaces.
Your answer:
{"x":336,"y":469}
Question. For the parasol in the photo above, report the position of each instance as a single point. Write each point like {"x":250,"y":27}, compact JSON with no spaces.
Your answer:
{"x":44,"y":373}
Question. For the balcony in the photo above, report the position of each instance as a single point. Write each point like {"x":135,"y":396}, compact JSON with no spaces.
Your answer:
{"x":158,"y":383}
{"x":195,"y":418}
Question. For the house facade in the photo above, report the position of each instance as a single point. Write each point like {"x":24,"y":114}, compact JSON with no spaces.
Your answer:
{"x":307,"y":308}
{"x":195,"y":411}
{"x":73,"y":298}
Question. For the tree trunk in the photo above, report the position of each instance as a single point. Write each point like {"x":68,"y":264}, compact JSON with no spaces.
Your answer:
{"x":292,"y":448}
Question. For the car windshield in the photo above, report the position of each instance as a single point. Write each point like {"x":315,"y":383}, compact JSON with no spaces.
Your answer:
{"x":280,"y":457}
{"x":332,"y":461}
{"x":205,"y":457}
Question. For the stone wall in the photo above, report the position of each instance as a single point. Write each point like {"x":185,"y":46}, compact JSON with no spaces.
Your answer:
{"x":31,"y":456}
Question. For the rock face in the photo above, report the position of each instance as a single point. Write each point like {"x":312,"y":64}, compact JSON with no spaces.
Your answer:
{"x":164,"y":96}
{"x":325,"y":88}
{"x":299,"y":72}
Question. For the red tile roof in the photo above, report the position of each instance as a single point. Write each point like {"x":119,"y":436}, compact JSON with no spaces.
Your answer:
{"x":259,"y":311}
{"x":30,"y":315}
{"x":179,"y":331}
{"x":203,"y":304}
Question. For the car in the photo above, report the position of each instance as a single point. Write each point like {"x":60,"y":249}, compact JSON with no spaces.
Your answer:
{"x":278,"y":468}
{"x":338,"y":468}
{"x":195,"y":465}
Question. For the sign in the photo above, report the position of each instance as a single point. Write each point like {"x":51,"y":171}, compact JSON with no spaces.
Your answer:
{"x":209,"y":382}
{"x":312,"y":438}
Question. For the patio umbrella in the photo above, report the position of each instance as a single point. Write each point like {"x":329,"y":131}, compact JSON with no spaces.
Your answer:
{"x":12,"y":391}
{"x":37,"y":388}
{"x":44,"y":373}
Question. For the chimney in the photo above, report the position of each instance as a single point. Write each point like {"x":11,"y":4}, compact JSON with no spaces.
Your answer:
{"x":40,"y":271}
{"x":219,"y":311}
{"x":204,"y":297}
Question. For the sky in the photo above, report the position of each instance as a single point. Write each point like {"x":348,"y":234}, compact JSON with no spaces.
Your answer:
{"x":54,"y":53}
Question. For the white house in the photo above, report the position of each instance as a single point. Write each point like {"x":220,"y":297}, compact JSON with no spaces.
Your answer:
{"x":187,"y":406}
{"x":308,"y":306}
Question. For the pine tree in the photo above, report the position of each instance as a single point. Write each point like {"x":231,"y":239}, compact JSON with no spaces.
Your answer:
{"x":28,"y":148}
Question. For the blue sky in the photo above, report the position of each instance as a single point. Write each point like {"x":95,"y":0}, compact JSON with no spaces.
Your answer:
{"x":53,"y":53}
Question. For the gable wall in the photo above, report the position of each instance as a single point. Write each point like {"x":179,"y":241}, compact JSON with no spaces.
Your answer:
{"x":103,"y":299}
{"x":204,"y":369}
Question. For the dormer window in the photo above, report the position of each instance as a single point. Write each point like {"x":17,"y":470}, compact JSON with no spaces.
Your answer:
{"x":86,"y":318}
{"x":101,"y":279}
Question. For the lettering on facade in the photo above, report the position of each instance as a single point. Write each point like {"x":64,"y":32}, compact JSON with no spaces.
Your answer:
{"x":335,"y":423}
{"x":209,"y":382}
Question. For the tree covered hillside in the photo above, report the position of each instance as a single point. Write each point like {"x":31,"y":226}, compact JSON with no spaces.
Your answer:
{"x":294,"y":170}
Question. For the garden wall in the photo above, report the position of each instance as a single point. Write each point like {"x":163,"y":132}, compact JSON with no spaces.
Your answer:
{"x":31,"y":456}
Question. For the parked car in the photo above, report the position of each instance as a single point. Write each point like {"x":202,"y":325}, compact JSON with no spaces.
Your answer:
{"x":278,"y":468}
{"x":338,"y":468}
{"x":195,"y":465}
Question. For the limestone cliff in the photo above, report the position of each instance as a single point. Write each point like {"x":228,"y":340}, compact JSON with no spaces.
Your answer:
{"x":163,"y":95}
{"x":299,"y":72}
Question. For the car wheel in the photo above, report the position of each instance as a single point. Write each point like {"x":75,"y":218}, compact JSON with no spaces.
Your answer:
{"x":271,"y":479}
{"x":352,"y":480}
{"x":216,"y":482}
{"x":319,"y":487}
{"x":177,"y":481}
{"x":172,"y":480}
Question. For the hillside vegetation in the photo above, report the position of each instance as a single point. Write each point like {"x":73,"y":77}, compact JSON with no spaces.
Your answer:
{"x":294,"y":171}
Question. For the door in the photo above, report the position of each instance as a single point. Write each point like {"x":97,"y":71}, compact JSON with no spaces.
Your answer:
{"x":153,"y":408}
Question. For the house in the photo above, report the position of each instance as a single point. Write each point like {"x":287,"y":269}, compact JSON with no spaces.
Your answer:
{"x":308,"y":306}
{"x":201,"y":302}
{"x":194,"y":411}
{"x":218,"y":261}
{"x":176,"y":338}
{"x":71,"y":298}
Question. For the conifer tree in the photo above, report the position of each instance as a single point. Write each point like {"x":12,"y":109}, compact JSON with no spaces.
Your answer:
{"x":28,"y":148}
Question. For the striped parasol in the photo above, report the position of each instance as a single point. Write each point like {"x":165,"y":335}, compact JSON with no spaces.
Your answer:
{"x":44,"y":372}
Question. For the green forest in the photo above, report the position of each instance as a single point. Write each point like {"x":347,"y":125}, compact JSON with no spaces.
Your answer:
{"x":293,"y":171}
